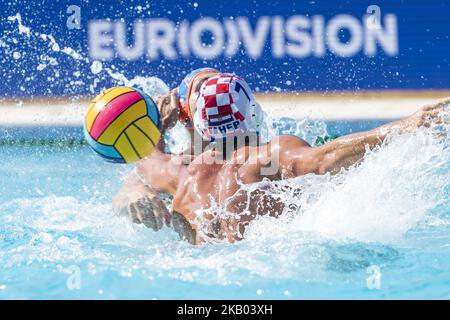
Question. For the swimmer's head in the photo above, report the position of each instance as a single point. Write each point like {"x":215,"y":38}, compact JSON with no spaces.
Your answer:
{"x":226,"y":107}
{"x":188,"y":91}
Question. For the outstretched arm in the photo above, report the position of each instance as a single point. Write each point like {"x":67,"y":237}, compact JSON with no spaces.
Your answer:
{"x":159,"y":172}
{"x":349,"y":150}
{"x":141,"y":203}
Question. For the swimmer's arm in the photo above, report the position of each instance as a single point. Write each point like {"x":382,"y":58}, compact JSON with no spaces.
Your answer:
{"x":298,"y":159}
{"x":349,"y":150}
{"x":343,"y":152}
{"x":159,"y":170}
{"x":134,"y":190}
{"x":169,"y":109}
{"x":154,"y":174}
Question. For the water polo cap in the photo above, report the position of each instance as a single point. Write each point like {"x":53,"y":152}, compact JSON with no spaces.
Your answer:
{"x":226,"y":107}
{"x":184,"y":90}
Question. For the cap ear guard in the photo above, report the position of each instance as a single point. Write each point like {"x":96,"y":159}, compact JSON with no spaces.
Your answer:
{"x":255,"y":115}
{"x":259,"y":121}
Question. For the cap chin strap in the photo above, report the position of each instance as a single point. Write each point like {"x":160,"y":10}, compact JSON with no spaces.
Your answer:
{"x":196,"y":120}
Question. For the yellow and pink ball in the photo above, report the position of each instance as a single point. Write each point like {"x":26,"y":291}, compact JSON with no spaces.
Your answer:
{"x":122,"y":124}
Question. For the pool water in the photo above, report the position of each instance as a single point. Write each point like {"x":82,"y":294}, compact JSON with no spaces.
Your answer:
{"x":381,"y":230}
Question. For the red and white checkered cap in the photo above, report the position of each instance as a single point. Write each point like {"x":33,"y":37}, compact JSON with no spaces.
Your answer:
{"x":225,"y":108}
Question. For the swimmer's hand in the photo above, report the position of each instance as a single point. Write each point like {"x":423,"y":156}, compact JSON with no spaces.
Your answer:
{"x":169,"y":109}
{"x":150,"y":211}
{"x":428,"y":115}
{"x":140,"y":204}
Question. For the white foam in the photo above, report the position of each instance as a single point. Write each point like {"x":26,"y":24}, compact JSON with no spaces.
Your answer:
{"x":153,"y":86}
{"x":395,"y":189}
{"x":390,"y":193}
{"x":96,"y":67}
{"x":22,"y":29}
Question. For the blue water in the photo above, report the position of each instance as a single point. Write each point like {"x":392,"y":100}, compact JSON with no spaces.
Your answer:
{"x":377,"y":231}
{"x":60,"y":239}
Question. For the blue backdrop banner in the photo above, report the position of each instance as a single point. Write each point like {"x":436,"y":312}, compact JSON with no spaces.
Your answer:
{"x":69,"y":47}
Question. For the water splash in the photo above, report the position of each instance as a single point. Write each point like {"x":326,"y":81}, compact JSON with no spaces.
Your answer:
{"x":396,"y":187}
{"x":339,"y":224}
{"x":403,"y":180}
{"x":35,"y":53}
{"x":335,"y":227}
{"x":22,"y":29}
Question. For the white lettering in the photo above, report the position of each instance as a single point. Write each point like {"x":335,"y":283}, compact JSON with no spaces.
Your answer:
{"x":100,"y":39}
{"x":302,"y":44}
{"x":298,"y":36}
{"x":183,"y":44}
{"x":134,"y":51}
{"x":254,"y":42}
{"x":218,"y":38}
{"x":161,"y":36}
{"x":386,"y":38}
{"x":233,"y":37}
{"x":277,"y":37}
{"x":318,"y":27}
{"x":338,"y":23}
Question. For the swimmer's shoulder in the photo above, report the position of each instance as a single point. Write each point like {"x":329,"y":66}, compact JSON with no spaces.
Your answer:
{"x":288,"y":141}
{"x":263,"y":153}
